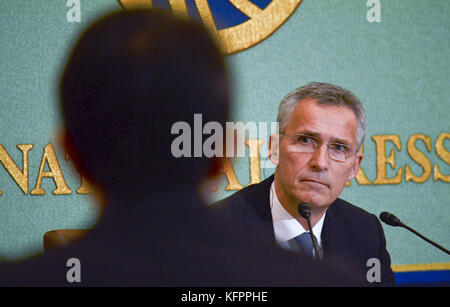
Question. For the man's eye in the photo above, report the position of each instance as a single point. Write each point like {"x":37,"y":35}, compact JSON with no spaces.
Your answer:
{"x":339,"y":147}
{"x":304,"y":139}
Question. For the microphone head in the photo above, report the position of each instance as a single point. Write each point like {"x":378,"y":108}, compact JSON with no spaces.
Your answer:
{"x":304,"y":210}
{"x":390,"y":219}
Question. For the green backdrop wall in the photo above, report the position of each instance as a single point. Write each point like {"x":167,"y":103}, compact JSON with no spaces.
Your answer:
{"x":399,"y":67}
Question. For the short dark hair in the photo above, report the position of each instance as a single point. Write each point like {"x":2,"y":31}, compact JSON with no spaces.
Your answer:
{"x":129,"y":78}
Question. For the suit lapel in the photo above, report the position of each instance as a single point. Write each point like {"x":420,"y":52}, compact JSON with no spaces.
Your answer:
{"x":258,"y":215}
{"x":336,"y":241}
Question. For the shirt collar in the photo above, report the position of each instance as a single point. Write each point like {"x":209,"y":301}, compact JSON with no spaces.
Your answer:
{"x":285,"y":226}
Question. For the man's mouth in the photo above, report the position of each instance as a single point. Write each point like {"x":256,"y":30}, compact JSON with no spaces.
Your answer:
{"x":315,"y":182}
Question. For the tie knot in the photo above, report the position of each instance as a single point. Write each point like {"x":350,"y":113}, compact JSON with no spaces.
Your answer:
{"x":304,"y":243}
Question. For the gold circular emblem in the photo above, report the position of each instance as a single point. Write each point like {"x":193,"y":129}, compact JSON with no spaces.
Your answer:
{"x":261,"y":23}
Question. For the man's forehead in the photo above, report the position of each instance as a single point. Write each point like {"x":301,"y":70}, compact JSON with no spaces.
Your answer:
{"x":307,"y":103}
{"x":334,"y":122}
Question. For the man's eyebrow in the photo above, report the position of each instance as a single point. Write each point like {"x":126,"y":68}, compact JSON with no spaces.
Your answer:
{"x":332,"y":140}
{"x":340,"y":141}
{"x":309,"y":133}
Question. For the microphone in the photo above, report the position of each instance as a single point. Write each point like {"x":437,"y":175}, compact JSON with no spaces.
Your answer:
{"x":392,"y":220}
{"x":305,"y":212}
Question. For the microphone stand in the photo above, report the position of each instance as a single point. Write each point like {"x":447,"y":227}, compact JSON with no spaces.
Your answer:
{"x":426,"y":239}
{"x":314,"y":240}
{"x":392,"y":220}
{"x":305,"y":212}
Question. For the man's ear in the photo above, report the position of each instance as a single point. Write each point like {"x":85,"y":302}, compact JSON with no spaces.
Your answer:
{"x":356,"y":165}
{"x":274,"y":148}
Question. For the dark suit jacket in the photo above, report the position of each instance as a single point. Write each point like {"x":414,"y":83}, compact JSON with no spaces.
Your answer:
{"x":349,"y":233}
{"x":171,"y":239}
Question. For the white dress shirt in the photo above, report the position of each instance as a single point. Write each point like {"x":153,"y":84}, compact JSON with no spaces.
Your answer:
{"x":287,"y":227}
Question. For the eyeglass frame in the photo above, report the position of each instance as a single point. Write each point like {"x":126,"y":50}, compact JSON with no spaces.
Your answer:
{"x":317,"y":143}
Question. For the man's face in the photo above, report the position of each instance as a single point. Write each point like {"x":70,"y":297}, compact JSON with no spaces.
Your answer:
{"x":314,"y":177}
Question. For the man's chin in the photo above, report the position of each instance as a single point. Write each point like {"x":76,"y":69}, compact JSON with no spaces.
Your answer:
{"x":314,"y":201}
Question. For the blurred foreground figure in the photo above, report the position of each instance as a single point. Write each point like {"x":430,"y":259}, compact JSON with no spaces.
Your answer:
{"x":129,"y":78}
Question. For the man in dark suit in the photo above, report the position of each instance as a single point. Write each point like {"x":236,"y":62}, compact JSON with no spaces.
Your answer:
{"x":130,"y":77}
{"x":322,"y":128}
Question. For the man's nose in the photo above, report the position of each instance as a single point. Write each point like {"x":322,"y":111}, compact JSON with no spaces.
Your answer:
{"x":319,"y":160}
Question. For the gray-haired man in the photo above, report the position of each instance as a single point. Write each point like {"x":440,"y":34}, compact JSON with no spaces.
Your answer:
{"x":322,"y":128}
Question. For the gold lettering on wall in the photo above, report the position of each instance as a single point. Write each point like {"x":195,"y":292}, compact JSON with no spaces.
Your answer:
{"x":20,"y":177}
{"x":382,"y":160}
{"x":85,"y":187}
{"x":255,"y":169}
{"x":443,"y":154}
{"x":418,"y":157}
{"x":361,"y":177}
{"x":227,"y":169}
{"x":49,"y":158}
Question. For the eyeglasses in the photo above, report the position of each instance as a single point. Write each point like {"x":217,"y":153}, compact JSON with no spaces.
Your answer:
{"x":303,"y":143}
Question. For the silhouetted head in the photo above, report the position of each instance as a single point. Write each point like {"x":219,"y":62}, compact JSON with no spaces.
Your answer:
{"x":129,"y":78}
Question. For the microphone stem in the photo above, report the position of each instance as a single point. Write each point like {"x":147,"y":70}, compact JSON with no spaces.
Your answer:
{"x":425,"y":238}
{"x":313,"y":239}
